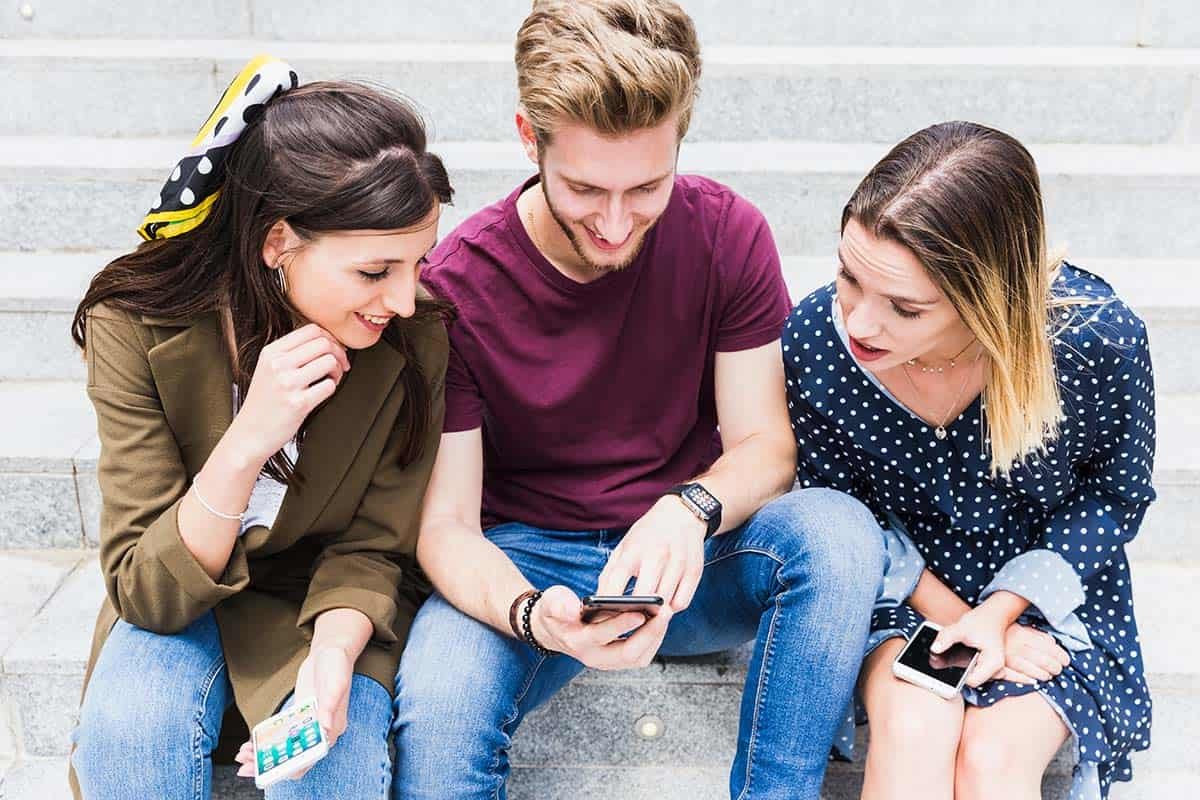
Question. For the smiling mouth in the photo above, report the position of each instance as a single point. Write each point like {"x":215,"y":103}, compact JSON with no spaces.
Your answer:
{"x":373,"y":321}
{"x":605,"y":244}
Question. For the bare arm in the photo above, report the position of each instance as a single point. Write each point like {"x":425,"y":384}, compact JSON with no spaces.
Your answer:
{"x":665,"y":548}
{"x":760,"y":454}
{"x":471,"y":572}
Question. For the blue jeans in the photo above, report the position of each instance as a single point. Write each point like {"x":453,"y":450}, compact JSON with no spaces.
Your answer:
{"x":799,"y":578}
{"x":152,"y":713}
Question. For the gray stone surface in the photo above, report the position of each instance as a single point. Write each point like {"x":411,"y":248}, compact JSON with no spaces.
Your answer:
{"x":934,"y":23}
{"x":38,"y":347}
{"x":746,"y":94}
{"x":43,"y":778}
{"x":39,"y":510}
{"x":58,"y":640}
{"x":29,"y":580}
{"x":46,"y":708}
{"x":211,"y":19}
{"x":1111,"y":201}
{"x":1170,"y":23}
{"x":43,"y":425}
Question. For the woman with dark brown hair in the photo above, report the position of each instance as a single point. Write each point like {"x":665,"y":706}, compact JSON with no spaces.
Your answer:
{"x":267,"y":376}
{"x":994,"y":407}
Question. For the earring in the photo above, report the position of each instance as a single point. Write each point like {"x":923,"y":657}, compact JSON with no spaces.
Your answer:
{"x":283,"y":287}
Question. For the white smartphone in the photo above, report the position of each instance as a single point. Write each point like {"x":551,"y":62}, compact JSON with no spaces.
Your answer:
{"x":287,"y":743}
{"x":943,"y":674}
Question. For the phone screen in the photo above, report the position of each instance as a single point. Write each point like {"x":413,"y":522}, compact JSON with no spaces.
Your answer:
{"x":285,"y":736}
{"x":948,"y":667}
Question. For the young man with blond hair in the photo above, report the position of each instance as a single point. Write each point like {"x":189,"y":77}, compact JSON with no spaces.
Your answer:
{"x":612,"y":314}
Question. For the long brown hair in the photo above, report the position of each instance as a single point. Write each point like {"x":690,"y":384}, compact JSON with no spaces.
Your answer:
{"x":328,"y":156}
{"x":966,"y":200}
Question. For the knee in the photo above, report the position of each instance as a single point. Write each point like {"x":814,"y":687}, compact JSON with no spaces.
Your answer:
{"x":448,"y":682}
{"x":832,"y":534}
{"x":901,"y":733}
{"x":984,"y":759}
{"x":136,"y":727}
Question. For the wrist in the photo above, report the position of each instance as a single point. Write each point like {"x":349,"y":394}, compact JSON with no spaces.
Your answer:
{"x":243,"y":450}
{"x":1005,"y":607}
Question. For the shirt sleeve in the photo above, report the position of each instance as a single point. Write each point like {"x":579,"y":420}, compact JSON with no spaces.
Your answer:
{"x":1085,"y":534}
{"x":464,"y":403}
{"x":754,"y":300}
{"x":365,"y":566}
{"x":153,"y":580}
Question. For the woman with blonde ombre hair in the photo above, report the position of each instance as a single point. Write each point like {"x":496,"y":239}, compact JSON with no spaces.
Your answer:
{"x":994,"y":407}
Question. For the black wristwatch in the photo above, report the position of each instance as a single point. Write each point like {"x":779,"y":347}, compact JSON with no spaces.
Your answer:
{"x":701,"y":503}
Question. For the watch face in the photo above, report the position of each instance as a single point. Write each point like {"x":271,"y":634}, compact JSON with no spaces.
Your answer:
{"x":704,"y":501}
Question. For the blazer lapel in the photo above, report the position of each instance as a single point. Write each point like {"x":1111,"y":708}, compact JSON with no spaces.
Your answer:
{"x":335,"y":434}
{"x":191,"y":369}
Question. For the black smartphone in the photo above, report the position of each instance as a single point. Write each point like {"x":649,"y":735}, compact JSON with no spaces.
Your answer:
{"x":596,"y":604}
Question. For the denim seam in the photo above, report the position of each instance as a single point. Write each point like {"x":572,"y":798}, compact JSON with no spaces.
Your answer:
{"x":198,"y":730}
{"x":743,"y":551}
{"x":764,"y":675}
{"x":516,"y":712}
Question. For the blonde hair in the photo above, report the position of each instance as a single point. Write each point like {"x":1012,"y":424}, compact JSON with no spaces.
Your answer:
{"x":614,"y":65}
{"x":966,"y":200}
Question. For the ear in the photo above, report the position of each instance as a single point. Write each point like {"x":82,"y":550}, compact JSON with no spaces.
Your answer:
{"x":280,"y":239}
{"x":529,"y":140}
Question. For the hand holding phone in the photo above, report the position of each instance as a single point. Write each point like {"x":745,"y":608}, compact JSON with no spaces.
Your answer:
{"x":603,"y":606}
{"x":624,"y":641}
{"x":287,"y":744}
{"x":943,"y":673}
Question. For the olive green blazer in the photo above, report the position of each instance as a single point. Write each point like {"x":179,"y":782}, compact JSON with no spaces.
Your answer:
{"x":345,"y":536}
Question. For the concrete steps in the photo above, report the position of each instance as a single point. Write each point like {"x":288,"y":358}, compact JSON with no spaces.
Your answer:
{"x":54,"y":595}
{"x":863,"y":94}
{"x":39,"y":293}
{"x":49,"y":497}
{"x":1121,"y":201}
{"x":798,"y":100}
{"x":935,"y":23}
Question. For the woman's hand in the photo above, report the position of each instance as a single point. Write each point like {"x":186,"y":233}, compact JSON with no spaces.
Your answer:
{"x":1031,"y":655}
{"x":294,"y":375}
{"x":984,"y":628}
{"x":325,"y":674}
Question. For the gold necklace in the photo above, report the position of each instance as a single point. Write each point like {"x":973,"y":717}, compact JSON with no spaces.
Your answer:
{"x":940,"y":430}
{"x":533,"y":237}
{"x":913,"y":362}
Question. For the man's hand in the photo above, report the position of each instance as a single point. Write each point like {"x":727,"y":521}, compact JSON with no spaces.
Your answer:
{"x":664,"y":550}
{"x":558,"y":625}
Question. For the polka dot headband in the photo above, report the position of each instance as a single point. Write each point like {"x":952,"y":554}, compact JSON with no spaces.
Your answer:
{"x":190,"y":191}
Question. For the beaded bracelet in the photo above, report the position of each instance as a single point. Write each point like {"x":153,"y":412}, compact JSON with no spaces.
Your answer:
{"x":527,"y":627}
{"x":515,"y":609}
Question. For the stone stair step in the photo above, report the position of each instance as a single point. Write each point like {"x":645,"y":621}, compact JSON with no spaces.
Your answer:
{"x":1119,"y":95}
{"x":45,"y":778}
{"x":49,"y":497}
{"x":1114,"y":200}
{"x":39,"y":293}
{"x":695,"y":699}
{"x":1164,"y":23}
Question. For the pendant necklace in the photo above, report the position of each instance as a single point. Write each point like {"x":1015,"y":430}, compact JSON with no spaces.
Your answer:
{"x":940,"y":430}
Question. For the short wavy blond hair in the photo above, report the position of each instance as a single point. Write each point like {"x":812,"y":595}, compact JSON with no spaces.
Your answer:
{"x":614,"y":65}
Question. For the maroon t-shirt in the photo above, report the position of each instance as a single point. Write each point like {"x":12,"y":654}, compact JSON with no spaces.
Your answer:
{"x":596,"y":398}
